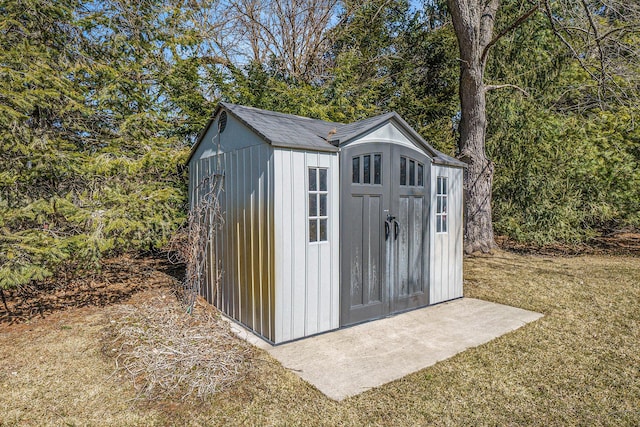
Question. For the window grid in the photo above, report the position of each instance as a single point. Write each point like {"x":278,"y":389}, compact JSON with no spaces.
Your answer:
{"x":411,"y":172}
{"x":318,"y":216}
{"x":367,"y":169}
{"x":441,"y":204}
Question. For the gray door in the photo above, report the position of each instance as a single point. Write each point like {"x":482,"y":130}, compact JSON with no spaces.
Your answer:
{"x":384,"y":212}
{"x":408,"y":251}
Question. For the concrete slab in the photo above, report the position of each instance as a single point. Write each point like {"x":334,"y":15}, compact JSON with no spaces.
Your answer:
{"x":349,"y":361}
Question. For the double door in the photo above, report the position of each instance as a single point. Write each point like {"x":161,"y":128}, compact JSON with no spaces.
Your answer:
{"x":384,"y":230}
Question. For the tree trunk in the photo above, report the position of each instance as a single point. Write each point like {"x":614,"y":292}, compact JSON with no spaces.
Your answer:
{"x":473,"y":23}
{"x":479,"y":176}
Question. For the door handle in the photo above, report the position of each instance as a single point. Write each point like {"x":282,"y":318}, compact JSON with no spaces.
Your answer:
{"x":387,"y":226}
{"x":396,"y":227}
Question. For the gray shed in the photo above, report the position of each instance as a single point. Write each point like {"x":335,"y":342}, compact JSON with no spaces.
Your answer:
{"x":327,"y":224}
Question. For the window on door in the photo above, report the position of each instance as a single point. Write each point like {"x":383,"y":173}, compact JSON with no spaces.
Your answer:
{"x":441,"y":204}
{"x":411,"y":172}
{"x":318,"y":205}
{"x":366,"y":169}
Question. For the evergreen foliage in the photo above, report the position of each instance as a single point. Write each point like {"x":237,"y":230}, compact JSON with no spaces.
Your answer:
{"x":88,"y":167}
{"x":564,"y":178}
{"x":388,"y":57}
{"x":563,"y":173}
{"x":100,"y":101}
{"x":427,"y":94}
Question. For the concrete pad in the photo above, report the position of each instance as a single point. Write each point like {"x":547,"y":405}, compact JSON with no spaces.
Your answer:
{"x":349,"y":361}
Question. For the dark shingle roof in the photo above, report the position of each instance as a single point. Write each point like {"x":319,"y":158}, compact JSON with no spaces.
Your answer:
{"x":285,"y":130}
{"x":290,"y":131}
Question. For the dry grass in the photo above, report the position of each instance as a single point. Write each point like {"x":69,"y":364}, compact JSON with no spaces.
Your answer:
{"x":169,"y":354}
{"x":578,"y":365}
{"x":53,"y":373}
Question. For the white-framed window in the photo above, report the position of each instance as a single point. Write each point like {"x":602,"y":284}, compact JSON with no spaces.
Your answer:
{"x":318,"y":205}
{"x":441,"y":204}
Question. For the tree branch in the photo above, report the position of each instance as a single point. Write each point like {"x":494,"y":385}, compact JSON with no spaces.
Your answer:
{"x":488,"y":88}
{"x":507,"y":30}
{"x":596,"y":34}
{"x":564,"y":41}
{"x":615,"y":30}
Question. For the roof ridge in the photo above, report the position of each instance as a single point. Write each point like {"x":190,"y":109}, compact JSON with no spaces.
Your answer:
{"x":277,"y":113}
{"x":353,"y":129}
{"x":282,"y":129}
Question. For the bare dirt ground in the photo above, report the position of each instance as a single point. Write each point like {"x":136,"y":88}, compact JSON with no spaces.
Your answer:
{"x":118,"y":280}
{"x":618,"y":242}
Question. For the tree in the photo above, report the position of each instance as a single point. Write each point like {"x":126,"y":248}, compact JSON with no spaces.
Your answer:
{"x":474,"y":22}
{"x":289,"y":35}
{"x":43,"y":120}
{"x":563,"y":173}
{"x":87,"y":156}
{"x":364,"y":57}
{"x":425,"y":93}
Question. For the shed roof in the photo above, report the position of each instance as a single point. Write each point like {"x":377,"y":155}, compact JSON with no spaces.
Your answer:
{"x":291,"y":131}
{"x":351,"y":131}
{"x":347,"y":132}
{"x":285,"y":130}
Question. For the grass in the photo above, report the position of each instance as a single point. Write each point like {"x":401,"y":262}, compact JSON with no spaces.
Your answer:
{"x":53,"y":373}
{"x":578,"y":365}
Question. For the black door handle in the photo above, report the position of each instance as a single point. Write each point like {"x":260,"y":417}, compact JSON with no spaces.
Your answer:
{"x":387,"y":226}
{"x":396,"y":229}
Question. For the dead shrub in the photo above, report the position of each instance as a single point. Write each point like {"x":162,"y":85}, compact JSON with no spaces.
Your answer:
{"x":170,"y":354}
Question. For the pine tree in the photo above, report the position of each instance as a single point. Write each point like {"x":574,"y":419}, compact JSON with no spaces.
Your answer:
{"x":43,"y":120}
{"x":89,"y":156}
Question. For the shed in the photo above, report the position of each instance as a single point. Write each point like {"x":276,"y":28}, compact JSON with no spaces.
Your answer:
{"x":327,"y":224}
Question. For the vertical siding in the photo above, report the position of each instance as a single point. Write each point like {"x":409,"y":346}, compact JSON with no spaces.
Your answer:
{"x":457,"y":247}
{"x":202,"y":169}
{"x":297,"y":218}
{"x":306,"y":276}
{"x":313,"y":260}
{"x":243,"y":248}
{"x":211,"y":285}
{"x":282,"y":203}
{"x":446,"y":248}
{"x":228,"y":297}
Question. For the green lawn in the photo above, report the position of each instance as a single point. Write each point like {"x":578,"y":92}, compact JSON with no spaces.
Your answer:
{"x":578,"y":365}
